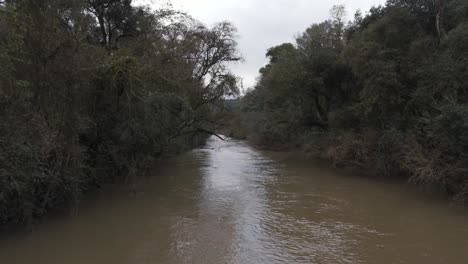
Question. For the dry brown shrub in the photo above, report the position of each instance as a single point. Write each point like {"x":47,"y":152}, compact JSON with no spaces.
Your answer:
{"x":425,"y":166}
{"x":430,"y":165}
{"x":350,"y":150}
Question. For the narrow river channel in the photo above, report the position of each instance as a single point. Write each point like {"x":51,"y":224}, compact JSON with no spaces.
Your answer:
{"x":229,"y":203}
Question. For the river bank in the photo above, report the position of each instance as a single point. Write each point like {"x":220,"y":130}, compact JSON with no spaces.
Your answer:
{"x":389,"y":157}
{"x":26,"y":201}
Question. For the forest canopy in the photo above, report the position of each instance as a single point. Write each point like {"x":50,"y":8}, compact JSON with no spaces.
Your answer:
{"x":90,"y":90}
{"x":387,"y":91}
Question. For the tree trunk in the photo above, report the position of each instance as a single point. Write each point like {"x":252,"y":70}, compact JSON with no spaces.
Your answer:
{"x":438,"y":18}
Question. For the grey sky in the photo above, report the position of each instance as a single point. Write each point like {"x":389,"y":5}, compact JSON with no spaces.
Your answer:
{"x":265,"y":23}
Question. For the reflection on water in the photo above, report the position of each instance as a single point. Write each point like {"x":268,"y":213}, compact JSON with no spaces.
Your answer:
{"x":229,"y":203}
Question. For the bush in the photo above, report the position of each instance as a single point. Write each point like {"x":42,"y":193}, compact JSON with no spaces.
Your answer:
{"x":37,"y":171}
{"x":439,"y":155}
{"x":379,"y":152}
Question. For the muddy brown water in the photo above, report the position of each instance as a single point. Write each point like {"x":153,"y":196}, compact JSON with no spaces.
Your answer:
{"x":229,"y":203}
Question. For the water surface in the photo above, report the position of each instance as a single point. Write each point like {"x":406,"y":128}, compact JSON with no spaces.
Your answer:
{"x":230,"y":203}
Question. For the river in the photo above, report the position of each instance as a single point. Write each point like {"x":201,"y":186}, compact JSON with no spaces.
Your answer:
{"x":230,"y":203}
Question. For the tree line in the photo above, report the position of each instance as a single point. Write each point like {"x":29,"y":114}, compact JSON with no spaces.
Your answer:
{"x":92,"y":90}
{"x":387,"y":91}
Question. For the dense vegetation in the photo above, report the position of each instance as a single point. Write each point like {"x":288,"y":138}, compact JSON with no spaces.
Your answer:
{"x":387,"y":92}
{"x":91,"y":90}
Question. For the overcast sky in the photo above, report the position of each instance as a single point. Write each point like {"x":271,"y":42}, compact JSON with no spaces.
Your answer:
{"x":265,"y":23}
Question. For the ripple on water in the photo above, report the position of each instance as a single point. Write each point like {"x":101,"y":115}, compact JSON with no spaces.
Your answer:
{"x":229,"y":203}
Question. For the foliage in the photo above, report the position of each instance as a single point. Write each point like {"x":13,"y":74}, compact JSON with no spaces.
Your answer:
{"x":90,"y":90}
{"x":386,"y":92}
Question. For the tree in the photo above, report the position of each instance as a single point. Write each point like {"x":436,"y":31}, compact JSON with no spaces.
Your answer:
{"x":386,"y":93}
{"x":92,"y":90}
{"x":116,"y":20}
